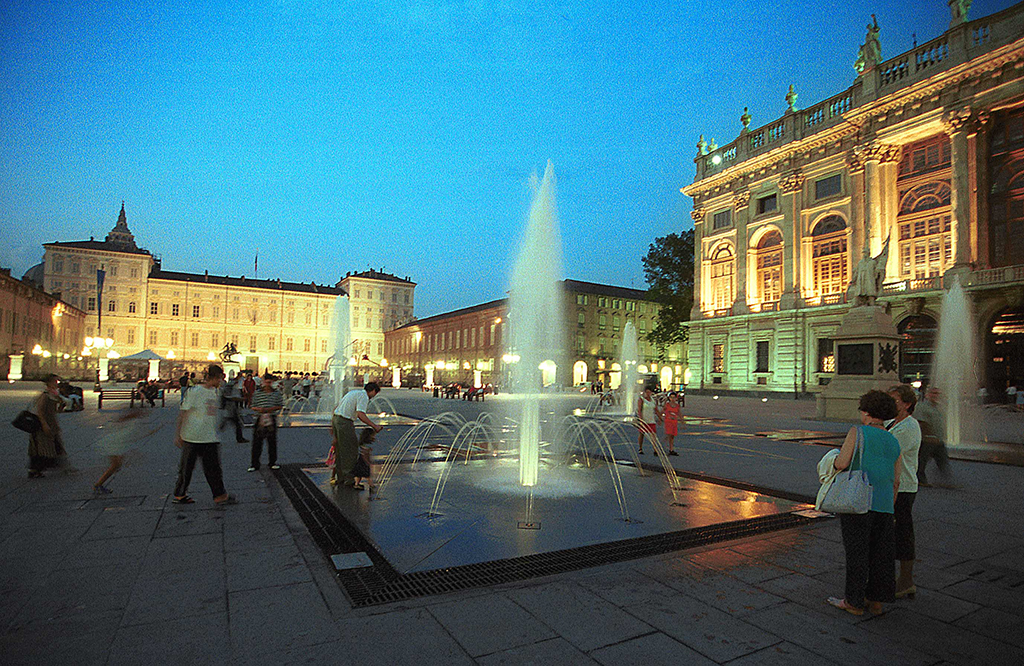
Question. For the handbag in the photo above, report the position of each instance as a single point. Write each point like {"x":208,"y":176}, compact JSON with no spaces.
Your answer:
{"x":27,"y":421}
{"x":851,"y":490}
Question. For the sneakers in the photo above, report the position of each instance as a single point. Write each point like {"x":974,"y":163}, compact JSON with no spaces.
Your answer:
{"x":252,"y":469}
{"x":275,"y":466}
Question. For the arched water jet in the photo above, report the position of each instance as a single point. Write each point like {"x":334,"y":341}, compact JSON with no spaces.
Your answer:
{"x":464,"y":440}
{"x":416,"y":438}
{"x":576,"y":437}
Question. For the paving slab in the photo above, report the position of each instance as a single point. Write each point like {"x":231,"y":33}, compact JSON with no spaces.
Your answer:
{"x":274,"y":619}
{"x":714,"y":633}
{"x":552,"y":651}
{"x":106,"y":552}
{"x":195,"y":639}
{"x":952,"y":643}
{"x":989,"y":595}
{"x":655,"y":648}
{"x":626,"y":587}
{"x":185,"y":523}
{"x":995,"y":624}
{"x":783,"y":654}
{"x":77,"y":593}
{"x":831,"y":637}
{"x":748,"y":569}
{"x":491,"y":623}
{"x":267,"y":567}
{"x":422,"y":639}
{"x":120,"y":524}
{"x":711,"y":586}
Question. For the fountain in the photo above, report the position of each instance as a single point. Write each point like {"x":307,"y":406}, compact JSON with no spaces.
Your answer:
{"x":337,"y":364}
{"x":955,"y":371}
{"x":630,"y":359}
{"x":536,"y":323}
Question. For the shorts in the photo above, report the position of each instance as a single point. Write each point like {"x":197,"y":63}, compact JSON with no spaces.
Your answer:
{"x":648,"y":427}
{"x":671,"y":427}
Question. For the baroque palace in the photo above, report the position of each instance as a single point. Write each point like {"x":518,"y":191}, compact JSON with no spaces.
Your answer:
{"x":468,"y":345}
{"x":922,"y":157}
{"x":188,"y":318}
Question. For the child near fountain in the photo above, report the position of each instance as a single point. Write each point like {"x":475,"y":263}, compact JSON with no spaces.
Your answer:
{"x":361,"y":470}
{"x":670,"y":417}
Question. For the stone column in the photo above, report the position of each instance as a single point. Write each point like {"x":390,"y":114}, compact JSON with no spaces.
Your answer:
{"x":978,"y":148}
{"x":855,"y":163}
{"x":956,"y":123}
{"x":698,"y":262}
{"x":741,"y":209}
{"x":791,"y":186}
{"x":888,"y":171}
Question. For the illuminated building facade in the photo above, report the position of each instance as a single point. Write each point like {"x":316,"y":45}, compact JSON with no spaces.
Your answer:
{"x":469,"y":345}
{"x":39,"y":333}
{"x":925,"y":150}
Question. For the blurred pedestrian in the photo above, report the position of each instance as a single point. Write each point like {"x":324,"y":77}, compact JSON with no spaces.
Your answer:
{"x":907,"y":432}
{"x":933,"y":438}
{"x":46,"y":445}
{"x":196,"y":436}
{"x":267,"y":402}
{"x":361,"y":470}
{"x":231,"y":399}
{"x":869,"y":538}
{"x":123,"y":433}
{"x":248,"y":388}
{"x":646,"y":419}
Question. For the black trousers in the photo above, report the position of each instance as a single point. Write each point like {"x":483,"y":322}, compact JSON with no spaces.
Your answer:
{"x":236,"y":418}
{"x":260,"y":433}
{"x":209,"y":453}
{"x":904,"y":526}
{"x":870,"y":544}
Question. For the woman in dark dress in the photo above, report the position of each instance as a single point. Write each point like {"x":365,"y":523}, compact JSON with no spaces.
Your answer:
{"x":46,"y":446}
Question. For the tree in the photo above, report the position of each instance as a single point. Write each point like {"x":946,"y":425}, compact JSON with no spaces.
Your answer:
{"x":668,"y":269}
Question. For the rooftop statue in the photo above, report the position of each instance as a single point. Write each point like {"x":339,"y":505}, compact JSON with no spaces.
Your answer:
{"x":958,"y":12}
{"x":868,"y":277}
{"x":870,"y":53}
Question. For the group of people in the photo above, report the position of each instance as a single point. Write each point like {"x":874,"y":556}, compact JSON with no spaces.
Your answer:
{"x":649,"y":414}
{"x":892,"y":448}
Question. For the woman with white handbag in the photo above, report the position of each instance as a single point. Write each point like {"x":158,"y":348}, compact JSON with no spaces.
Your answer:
{"x":864,"y":495}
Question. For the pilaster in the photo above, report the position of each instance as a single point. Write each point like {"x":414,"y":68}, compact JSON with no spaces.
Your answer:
{"x":697,"y":214}
{"x":957,"y":124}
{"x":855,"y":164}
{"x":791,"y":186}
{"x":978,"y":151}
{"x":741,"y":210}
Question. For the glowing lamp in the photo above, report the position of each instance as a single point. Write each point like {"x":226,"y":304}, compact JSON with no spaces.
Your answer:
{"x":37,"y":350}
{"x":716,"y":160}
{"x":211,"y":357}
{"x":88,"y":342}
{"x":170,"y":353}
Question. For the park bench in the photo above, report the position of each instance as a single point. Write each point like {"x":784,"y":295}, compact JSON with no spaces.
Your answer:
{"x":474,"y":394}
{"x":126,"y":394}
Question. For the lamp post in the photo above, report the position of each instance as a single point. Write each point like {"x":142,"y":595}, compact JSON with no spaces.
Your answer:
{"x":95,"y":347}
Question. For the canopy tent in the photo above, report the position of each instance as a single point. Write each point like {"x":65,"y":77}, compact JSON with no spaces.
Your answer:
{"x":144,"y":355}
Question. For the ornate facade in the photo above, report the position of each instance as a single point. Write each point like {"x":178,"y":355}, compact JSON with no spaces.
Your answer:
{"x":924,"y":151}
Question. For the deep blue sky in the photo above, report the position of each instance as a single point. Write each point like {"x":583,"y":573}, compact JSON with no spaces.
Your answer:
{"x":342,"y":135}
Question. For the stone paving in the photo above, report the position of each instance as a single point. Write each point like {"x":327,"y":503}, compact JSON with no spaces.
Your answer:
{"x":133,"y":579}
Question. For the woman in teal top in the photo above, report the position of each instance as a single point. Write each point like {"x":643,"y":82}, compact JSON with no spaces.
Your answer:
{"x":870,"y":539}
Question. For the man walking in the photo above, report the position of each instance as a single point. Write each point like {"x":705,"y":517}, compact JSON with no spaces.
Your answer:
{"x":196,"y":435}
{"x":933,"y":438}
{"x":231,"y":401}
{"x":267,"y":402}
{"x":343,"y":430}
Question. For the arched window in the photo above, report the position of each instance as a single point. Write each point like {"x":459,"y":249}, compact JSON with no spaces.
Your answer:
{"x":1007,"y":214}
{"x":723,"y":278}
{"x":769,"y":267}
{"x":924,"y":221}
{"x":831,"y":274}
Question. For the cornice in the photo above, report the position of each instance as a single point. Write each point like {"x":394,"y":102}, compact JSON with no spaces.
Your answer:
{"x":859,"y":116}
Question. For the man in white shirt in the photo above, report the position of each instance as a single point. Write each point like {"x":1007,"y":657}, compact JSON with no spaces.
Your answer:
{"x":196,"y":436}
{"x":343,"y":429}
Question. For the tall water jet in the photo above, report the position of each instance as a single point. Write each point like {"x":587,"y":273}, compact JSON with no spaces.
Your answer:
{"x":536,"y":337}
{"x":630,"y":359}
{"x":337,"y":364}
{"x":955,"y":368}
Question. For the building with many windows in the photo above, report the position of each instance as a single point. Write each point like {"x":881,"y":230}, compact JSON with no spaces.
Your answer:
{"x":190,"y":317}
{"x":39,"y":333}
{"x":469,"y":345}
{"x":379,"y":302}
{"x":922,"y":155}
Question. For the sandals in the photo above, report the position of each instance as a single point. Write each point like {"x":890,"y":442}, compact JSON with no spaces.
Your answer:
{"x":910,"y":592}
{"x":183,"y":500}
{"x":358,"y":486}
{"x":230,"y":499}
{"x":841,"y":604}
{"x":673,"y":453}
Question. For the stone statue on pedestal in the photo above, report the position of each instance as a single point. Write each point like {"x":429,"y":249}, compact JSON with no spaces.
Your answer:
{"x":870,"y":53}
{"x":868,"y":277}
{"x":958,"y":12}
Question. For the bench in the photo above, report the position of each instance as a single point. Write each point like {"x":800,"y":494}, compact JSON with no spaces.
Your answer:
{"x":474,"y":394}
{"x":142,"y":398}
{"x":126,"y":394}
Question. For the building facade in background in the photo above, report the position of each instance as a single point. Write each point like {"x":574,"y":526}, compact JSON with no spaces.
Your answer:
{"x":190,"y":317}
{"x":469,"y":345}
{"x":925,"y":153}
{"x":39,"y":333}
{"x":379,"y":302}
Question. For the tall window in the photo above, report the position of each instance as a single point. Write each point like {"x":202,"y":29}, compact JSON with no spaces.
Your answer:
{"x":831,"y":274}
{"x":723,"y":278}
{"x":828,"y":187}
{"x":270,"y":344}
{"x":131,"y":336}
{"x":924,"y":218}
{"x":152,"y":338}
{"x":195,"y":339}
{"x":131,"y":307}
{"x":769,"y":267}
{"x":174,"y":310}
{"x":174,"y":338}
{"x":195,"y":312}
{"x":718,"y":358}
{"x":214,"y":340}
{"x":762,"y":357}
{"x":1006,"y":201}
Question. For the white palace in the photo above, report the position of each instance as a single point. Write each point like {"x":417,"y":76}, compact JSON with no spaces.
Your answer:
{"x":926,"y":151}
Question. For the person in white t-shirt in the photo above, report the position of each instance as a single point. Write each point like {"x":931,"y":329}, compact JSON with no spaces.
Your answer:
{"x":343,"y":429}
{"x":907,"y":432}
{"x":196,"y":436}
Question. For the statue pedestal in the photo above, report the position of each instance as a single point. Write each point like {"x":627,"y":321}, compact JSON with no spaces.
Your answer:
{"x":232,"y":369}
{"x":867,"y":357}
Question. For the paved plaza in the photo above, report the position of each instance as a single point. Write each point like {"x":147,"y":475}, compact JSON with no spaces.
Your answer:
{"x":130,"y":578}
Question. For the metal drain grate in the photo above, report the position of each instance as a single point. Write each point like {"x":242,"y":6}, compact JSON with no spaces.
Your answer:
{"x":381,"y":583}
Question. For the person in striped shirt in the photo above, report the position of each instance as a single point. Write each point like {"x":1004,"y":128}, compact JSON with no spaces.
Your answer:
{"x":266,"y":402}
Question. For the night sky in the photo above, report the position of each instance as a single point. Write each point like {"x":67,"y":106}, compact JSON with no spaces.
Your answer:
{"x":337,"y":136}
